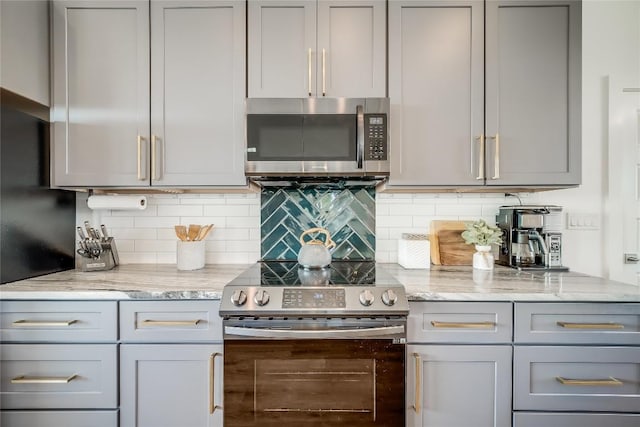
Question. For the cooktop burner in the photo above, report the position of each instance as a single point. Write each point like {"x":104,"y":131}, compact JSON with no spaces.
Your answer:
{"x":286,"y":288}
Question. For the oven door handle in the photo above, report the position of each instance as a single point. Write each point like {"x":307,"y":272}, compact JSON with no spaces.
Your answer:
{"x":314,"y":333}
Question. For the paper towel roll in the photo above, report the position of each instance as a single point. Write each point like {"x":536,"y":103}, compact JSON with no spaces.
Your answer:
{"x":117,"y":202}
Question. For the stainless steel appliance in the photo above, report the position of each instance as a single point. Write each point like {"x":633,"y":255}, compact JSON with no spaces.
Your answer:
{"x":532,"y":237}
{"x":330,"y":353}
{"x":317,"y":137}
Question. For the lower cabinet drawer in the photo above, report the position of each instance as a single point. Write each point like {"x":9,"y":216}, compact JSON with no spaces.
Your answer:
{"x":576,"y":378}
{"x":59,"y":418}
{"x":549,"y":419}
{"x":58,"y":376}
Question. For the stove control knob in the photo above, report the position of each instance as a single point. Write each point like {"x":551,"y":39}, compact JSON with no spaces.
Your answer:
{"x":238,"y":298}
{"x":389,"y":297}
{"x":366,"y":297}
{"x":261,"y":297}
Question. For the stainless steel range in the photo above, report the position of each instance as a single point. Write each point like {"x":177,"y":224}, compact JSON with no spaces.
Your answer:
{"x":319,"y":347}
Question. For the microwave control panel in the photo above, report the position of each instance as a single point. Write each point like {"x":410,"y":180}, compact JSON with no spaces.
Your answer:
{"x":375,"y":133}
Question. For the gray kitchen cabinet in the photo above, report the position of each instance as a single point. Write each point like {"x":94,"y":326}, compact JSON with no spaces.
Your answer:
{"x":59,"y":418}
{"x":141,"y":103}
{"x":168,"y":385}
{"x":24,"y":38}
{"x":101,"y":93}
{"x":575,"y":360}
{"x":484,"y":100}
{"x":168,"y":376}
{"x":301,"y":48}
{"x":449,"y":363}
{"x":197,"y":92}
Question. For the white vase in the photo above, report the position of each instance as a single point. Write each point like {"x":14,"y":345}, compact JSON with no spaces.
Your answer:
{"x":483,"y":258}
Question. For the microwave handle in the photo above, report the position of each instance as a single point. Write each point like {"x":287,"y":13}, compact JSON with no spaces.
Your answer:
{"x":360,"y":136}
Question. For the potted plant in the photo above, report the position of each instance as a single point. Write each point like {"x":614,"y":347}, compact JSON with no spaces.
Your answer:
{"x":482,"y":235}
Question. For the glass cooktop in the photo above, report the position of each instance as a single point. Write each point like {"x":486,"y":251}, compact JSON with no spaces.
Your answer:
{"x":290,"y":273}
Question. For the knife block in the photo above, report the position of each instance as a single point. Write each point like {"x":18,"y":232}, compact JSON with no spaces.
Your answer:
{"x":107,"y":259}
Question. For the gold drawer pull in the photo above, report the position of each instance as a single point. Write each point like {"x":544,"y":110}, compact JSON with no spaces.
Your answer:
{"x":43,"y":380}
{"x":212,"y":383}
{"x":603,"y":382}
{"x":569,"y":325}
{"x":464,"y":325}
{"x":150,"y":322}
{"x":44,"y":322}
{"x":417,"y":397}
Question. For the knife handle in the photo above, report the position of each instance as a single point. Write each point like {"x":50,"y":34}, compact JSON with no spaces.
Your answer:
{"x":81,"y":233}
{"x":105,"y":235}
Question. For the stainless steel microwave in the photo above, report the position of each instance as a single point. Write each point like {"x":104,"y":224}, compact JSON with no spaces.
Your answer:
{"x":311,"y":137}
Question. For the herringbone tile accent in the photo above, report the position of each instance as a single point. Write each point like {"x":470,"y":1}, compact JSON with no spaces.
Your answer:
{"x":348,"y":214}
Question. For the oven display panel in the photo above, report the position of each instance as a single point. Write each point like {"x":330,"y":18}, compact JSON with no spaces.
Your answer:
{"x":313,"y":298}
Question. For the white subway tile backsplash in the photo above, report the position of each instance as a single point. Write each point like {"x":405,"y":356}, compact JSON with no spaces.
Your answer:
{"x":148,"y":236}
{"x":180,"y":210}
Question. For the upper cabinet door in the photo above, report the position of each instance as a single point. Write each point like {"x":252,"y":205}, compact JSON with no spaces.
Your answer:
{"x":436,"y":66}
{"x":282,"y":48}
{"x":351,"y":58}
{"x":198,"y":92}
{"x":101,"y":93}
{"x":533,"y":105}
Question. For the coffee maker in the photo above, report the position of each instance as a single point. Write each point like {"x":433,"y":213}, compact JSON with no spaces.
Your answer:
{"x":531,"y":237}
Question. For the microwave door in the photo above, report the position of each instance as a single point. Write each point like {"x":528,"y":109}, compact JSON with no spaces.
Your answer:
{"x":275,"y":143}
{"x":330,"y":144}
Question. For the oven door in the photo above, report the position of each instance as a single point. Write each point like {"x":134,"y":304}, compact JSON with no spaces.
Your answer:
{"x":314,"y":382}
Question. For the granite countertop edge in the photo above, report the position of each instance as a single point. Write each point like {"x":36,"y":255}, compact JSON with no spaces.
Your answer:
{"x":439,"y":283}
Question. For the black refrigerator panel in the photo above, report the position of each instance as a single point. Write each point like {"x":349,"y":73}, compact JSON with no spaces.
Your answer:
{"x":37,"y":223}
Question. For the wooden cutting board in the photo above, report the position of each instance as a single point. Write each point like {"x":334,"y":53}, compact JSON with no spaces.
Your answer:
{"x":447,"y":245}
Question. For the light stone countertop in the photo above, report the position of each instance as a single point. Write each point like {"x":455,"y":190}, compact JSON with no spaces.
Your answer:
{"x":454,"y":283}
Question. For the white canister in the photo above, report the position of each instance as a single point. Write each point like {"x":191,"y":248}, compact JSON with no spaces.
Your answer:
{"x":190,"y":255}
{"x":414,"y":251}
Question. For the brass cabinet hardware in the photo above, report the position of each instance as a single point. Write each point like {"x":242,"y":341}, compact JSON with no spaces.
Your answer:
{"x":141,"y":177}
{"x":324,"y":73}
{"x":417,"y":398}
{"x":496,"y":157}
{"x":154,"y":160}
{"x":481,"y":139}
{"x":44,"y":322}
{"x":569,"y":325}
{"x":212,"y":380}
{"x":611,"y":381}
{"x":22,"y":379}
{"x":309,"y":67}
{"x":151,"y":322}
{"x":463,"y":325}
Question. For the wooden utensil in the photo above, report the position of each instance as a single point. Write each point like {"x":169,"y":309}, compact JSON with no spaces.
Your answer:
{"x":181,"y":232}
{"x":204,"y":231}
{"x":448,"y":246}
{"x":194,"y":230}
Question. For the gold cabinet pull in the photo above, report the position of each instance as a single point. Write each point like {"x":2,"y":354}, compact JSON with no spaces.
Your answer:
{"x":22,"y":379}
{"x":463,"y":325}
{"x":154,"y":160}
{"x":481,"y":157}
{"x":309,"y":69}
{"x":611,"y":381}
{"x":324,"y":73}
{"x":151,"y":322}
{"x":418,"y":398}
{"x":496,"y":157}
{"x":37,"y":323}
{"x":141,"y":177}
{"x":212,"y":380}
{"x":569,"y":325}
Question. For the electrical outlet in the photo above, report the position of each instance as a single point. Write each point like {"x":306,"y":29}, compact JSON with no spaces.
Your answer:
{"x":583,"y":221}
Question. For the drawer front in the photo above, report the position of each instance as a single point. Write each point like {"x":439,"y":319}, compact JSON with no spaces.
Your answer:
{"x":170,"y":321}
{"x":577,"y":378}
{"x":580,"y":323}
{"x":58,"y":376}
{"x":59,"y":418}
{"x":58,"y":321}
{"x":459,"y":322}
{"x":537,"y":419}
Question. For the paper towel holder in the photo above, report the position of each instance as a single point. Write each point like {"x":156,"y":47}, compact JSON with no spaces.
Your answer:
{"x":116,"y":202}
